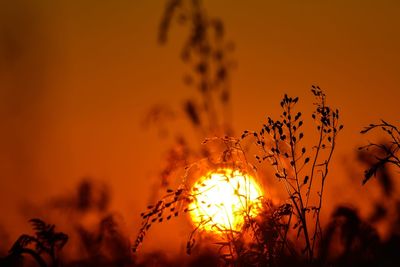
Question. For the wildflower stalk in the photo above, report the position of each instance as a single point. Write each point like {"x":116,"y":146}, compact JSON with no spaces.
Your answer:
{"x":279,"y":141}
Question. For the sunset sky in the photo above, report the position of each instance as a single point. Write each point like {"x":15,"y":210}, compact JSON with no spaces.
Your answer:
{"x":78,"y":77}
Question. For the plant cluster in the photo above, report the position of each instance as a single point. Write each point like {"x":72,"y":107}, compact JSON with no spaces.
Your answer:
{"x":46,"y":243}
{"x":265,"y":237}
{"x":280,"y":143}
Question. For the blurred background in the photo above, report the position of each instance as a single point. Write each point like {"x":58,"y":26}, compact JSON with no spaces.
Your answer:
{"x":77,"y":79}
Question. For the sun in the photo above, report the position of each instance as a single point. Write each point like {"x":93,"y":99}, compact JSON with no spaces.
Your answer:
{"x":223,"y":198}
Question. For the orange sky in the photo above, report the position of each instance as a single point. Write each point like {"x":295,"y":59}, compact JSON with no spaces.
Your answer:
{"x":77,"y":77}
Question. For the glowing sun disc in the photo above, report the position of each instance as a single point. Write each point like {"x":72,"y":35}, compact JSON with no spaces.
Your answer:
{"x":222,"y":199}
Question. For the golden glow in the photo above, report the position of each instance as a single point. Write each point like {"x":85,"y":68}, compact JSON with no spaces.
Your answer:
{"x":222,"y":199}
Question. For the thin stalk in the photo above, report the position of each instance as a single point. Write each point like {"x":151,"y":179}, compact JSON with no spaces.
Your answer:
{"x":325,"y":174}
{"x":302,"y":214}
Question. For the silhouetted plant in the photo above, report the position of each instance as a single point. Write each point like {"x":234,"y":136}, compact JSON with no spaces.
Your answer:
{"x":349,"y":240}
{"x":103,"y":241}
{"x":385,"y":153}
{"x":45,"y":243}
{"x":207,"y":55}
{"x":105,"y":244}
{"x":168,"y":207}
{"x":280,"y":144}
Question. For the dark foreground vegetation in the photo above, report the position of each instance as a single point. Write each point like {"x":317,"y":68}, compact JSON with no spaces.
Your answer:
{"x":347,"y":239}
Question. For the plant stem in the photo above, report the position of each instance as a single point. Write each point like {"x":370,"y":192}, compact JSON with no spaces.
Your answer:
{"x":34,"y":255}
{"x":302,"y":213}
